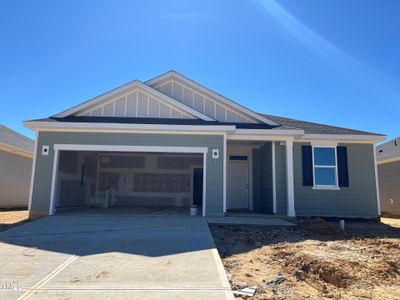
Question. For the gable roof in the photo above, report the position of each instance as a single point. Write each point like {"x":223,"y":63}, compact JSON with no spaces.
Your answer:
{"x":136,"y":84}
{"x":14,"y":142}
{"x":173,"y":75}
{"x":316,"y":128}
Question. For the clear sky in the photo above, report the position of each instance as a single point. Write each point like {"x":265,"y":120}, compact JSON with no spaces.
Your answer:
{"x":334,"y":62}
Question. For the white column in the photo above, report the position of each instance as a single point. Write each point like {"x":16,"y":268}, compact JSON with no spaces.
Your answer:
{"x":53,"y":182}
{"x":378,"y":200}
{"x":273,"y":179}
{"x":289,"y":179}
{"x":33,"y":170}
{"x":224,"y":175}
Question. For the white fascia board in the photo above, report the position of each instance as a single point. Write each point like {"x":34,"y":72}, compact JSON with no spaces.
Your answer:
{"x":82,"y":126}
{"x":96,"y":100}
{"x":207,"y":91}
{"x":298,"y":132}
{"x":119,"y":148}
{"x":388,"y":160}
{"x":264,"y":135}
{"x":267,"y":138}
{"x":15,"y":151}
{"x":128,"y":86}
{"x":343,"y":137}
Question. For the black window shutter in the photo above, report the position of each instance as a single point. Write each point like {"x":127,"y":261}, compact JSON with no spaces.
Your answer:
{"x":343,"y":172}
{"x":306,"y":152}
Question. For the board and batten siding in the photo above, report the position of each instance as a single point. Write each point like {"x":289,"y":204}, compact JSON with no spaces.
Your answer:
{"x":359,"y":199}
{"x":15,"y":179}
{"x":201,"y":102}
{"x":44,"y":164}
{"x":389,"y":186}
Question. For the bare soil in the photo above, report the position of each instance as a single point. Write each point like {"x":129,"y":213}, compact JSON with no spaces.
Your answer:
{"x":10,"y":218}
{"x":314,"y":261}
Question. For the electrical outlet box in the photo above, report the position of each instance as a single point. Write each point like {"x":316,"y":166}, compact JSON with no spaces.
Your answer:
{"x":215,"y":153}
{"x":45,"y":150}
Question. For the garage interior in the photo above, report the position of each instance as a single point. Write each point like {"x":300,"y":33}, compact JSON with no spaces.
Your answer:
{"x":134,"y":181}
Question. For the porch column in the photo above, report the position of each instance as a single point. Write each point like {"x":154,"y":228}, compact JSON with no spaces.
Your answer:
{"x":289,"y":179}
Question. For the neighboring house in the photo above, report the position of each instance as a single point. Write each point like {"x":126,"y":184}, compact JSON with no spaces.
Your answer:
{"x":388,"y":155}
{"x":171,"y":142}
{"x":16,"y":152}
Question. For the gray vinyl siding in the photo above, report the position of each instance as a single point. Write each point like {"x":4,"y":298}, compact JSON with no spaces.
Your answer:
{"x":389,"y":186}
{"x":256,"y":181}
{"x":359,"y":199}
{"x":280,"y":179}
{"x":262,"y":179}
{"x":266,"y":178}
{"x":44,"y":164}
{"x":15,"y":180}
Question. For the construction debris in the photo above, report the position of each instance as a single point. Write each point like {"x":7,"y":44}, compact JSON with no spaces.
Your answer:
{"x":276,"y":281}
{"x":314,"y":261}
{"x":249,"y":291}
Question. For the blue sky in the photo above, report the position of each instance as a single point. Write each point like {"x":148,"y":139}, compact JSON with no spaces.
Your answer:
{"x":334,"y":62}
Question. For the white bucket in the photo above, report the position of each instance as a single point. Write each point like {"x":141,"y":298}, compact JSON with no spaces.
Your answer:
{"x":193,"y":211}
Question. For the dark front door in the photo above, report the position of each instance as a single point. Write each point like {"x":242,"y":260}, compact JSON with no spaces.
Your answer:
{"x":198,"y":187}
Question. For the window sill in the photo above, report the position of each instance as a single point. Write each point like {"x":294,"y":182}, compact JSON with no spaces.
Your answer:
{"x":332,"y":188}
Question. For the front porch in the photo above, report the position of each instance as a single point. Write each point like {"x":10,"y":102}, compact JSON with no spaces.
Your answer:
{"x":259,"y":180}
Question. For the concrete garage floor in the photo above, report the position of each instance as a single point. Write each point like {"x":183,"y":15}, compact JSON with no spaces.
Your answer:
{"x":111,"y":257}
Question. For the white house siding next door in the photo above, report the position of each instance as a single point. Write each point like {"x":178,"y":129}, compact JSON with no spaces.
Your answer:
{"x":238,"y":185}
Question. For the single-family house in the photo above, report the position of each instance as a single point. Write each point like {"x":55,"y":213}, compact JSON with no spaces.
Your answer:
{"x":16,"y":152}
{"x":171,"y":142}
{"x":388,"y":156}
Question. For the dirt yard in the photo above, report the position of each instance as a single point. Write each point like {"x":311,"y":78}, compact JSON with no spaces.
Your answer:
{"x":9,"y":218}
{"x":314,"y":261}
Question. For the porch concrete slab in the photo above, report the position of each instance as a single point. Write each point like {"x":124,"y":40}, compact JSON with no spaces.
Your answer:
{"x":82,"y":256}
{"x":269,"y":222}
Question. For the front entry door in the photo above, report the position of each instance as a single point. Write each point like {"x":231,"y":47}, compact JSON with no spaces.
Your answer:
{"x":238,"y":185}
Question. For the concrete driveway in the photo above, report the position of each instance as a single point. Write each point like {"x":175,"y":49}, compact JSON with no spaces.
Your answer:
{"x":111,"y":257}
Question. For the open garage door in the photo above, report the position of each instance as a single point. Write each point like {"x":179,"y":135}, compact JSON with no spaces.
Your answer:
{"x":135,"y":181}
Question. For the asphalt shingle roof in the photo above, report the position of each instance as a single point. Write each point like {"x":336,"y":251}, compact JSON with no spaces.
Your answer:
{"x":286,"y":123}
{"x":314,"y":128}
{"x":11,"y":138}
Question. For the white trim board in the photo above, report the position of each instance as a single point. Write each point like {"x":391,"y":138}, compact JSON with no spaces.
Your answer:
{"x":33,"y":171}
{"x":123,"y":126}
{"x":121,"y":148}
{"x":15,"y":151}
{"x":388,"y":160}
{"x":343,"y":138}
{"x":180,"y":78}
{"x":378,"y":199}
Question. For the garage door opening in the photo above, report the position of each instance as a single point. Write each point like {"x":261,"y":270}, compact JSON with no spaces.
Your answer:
{"x":133,"y":182}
